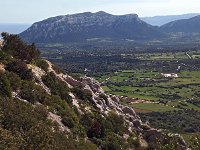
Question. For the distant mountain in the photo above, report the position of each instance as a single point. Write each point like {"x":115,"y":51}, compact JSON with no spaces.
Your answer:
{"x":191,"y":25}
{"x":83,"y":26}
{"x":13,"y":28}
{"x":161,"y":20}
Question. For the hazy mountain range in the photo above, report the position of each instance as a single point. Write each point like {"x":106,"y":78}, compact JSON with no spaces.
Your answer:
{"x":191,"y":25}
{"x":101,"y":25}
{"x":161,"y":20}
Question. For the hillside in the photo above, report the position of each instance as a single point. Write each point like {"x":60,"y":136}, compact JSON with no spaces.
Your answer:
{"x":185,"y":25}
{"x":45,"y":108}
{"x":88,"y":26}
{"x":161,"y":20}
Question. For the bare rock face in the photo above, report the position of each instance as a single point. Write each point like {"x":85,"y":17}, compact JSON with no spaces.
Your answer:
{"x":73,"y":82}
{"x":38,"y":73}
{"x":94,"y":85}
{"x":152,"y":135}
{"x":2,"y":68}
{"x":1,"y":44}
{"x":130,"y":111}
{"x":133,"y":122}
{"x":115,"y":98}
{"x":57,"y":119}
{"x":83,"y":26}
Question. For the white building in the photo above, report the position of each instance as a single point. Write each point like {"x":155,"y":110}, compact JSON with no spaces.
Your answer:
{"x":169,"y":75}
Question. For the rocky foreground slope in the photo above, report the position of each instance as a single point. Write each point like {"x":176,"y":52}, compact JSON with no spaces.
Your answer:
{"x":44,"y":108}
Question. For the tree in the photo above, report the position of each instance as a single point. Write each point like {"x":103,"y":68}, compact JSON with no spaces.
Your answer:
{"x":21,"y":69}
{"x":5,"y":88}
{"x":14,"y":46}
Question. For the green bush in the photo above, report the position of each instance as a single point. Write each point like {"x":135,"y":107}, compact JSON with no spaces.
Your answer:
{"x":57,"y":86}
{"x":68,"y":122}
{"x":82,"y":95}
{"x":42,"y":64}
{"x":61,"y":107}
{"x":113,"y":142}
{"x":14,"y":46}
{"x":21,"y":69}
{"x":96,"y":130}
{"x":117,"y":122}
{"x":4,"y":57}
{"x":33,"y":93}
{"x":15,"y":80}
{"x":5,"y":87}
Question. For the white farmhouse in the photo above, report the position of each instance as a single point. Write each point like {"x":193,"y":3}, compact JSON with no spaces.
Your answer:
{"x":169,"y":75}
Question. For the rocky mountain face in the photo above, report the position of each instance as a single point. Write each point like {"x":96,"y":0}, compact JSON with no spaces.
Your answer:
{"x":185,"y":25}
{"x":80,"y":27}
{"x":45,"y":108}
{"x":161,"y":20}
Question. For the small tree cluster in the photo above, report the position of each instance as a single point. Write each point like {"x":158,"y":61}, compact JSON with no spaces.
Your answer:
{"x":14,"y":46}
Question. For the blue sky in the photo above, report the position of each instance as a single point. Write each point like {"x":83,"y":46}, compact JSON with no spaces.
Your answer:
{"x":29,"y":11}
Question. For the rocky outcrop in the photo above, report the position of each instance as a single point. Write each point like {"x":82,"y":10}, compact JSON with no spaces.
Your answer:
{"x":38,"y":73}
{"x":1,"y":44}
{"x":57,"y":119}
{"x":108,"y":103}
{"x":2,"y":68}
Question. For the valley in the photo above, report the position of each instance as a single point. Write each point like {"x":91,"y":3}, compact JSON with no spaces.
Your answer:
{"x":100,"y":75}
{"x":154,"y":83}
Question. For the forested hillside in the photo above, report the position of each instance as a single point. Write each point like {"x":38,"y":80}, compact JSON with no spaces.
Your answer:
{"x":41,"y":107}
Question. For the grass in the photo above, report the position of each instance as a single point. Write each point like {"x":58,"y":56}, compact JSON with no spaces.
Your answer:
{"x":153,"y":107}
{"x":106,"y":89}
{"x":162,"y":56}
{"x":155,"y":88}
{"x":183,"y":105}
{"x":149,"y":85}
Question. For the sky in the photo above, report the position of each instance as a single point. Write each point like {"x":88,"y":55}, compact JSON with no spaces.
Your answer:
{"x":30,"y":11}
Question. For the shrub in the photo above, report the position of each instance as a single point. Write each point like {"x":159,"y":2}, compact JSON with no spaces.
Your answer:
{"x":15,"y":80}
{"x":5,"y":88}
{"x":83,"y":95}
{"x":33,"y":93}
{"x":117,"y":123}
{"x":14,"y":46}
{"x":113,"y":142}
{"x":96,"y":130}
{"x":68,"y":122}
{"x":21,"y":69}
{"x":4,"y":58}
{"x":57,"y":86}
{"x":42,"y":64}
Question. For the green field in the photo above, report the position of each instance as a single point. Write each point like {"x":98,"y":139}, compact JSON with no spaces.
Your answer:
{"x":151,"y":86}
{"x":153,"y":107}
{"x":147,"y":83}
{"x":162,"y":56}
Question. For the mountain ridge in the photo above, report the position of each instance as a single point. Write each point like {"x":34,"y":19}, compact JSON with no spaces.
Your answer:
{"x":184,"y":25}
{"x":161,"y":20}
{"x":82,"y":26}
